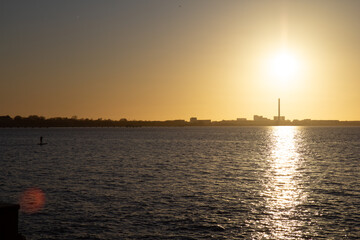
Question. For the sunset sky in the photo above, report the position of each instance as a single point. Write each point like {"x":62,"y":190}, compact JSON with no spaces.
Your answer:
{"x":158,"y":60}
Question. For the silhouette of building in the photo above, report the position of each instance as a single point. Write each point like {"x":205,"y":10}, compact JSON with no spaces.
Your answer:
{"x":258,"y":118}
{"x":193,"y":120}
{"x":241,"y":119}
{"x":196,"y":121}
{"x":277,"y":118}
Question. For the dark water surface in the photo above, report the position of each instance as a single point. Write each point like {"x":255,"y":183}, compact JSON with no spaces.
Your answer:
{"x":186,"y":183}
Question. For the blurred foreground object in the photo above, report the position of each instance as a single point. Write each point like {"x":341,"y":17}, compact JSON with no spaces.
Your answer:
{"x":9,"y":222}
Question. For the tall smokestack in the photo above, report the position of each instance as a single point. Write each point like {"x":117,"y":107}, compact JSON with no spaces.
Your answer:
{"x":279,"y":109}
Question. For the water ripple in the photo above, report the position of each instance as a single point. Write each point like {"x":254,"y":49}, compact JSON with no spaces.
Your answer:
{"x":186,"y":183}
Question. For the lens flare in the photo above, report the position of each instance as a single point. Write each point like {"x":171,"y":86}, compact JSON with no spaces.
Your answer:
{"x":32,"y":200}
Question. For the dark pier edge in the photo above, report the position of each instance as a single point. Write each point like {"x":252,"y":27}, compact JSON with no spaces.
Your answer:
{"x":9,"y":222}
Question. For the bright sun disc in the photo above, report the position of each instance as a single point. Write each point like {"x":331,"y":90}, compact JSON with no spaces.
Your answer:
{"x":284,"y":66}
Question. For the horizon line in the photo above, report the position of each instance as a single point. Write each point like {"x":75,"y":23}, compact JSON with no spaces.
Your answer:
{"x":240,"y":119}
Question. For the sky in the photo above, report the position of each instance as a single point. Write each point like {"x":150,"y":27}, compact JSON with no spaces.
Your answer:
{"x":176,"y":59}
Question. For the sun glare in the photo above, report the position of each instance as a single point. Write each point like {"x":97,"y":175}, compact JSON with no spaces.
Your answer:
{"x":284,"y":66}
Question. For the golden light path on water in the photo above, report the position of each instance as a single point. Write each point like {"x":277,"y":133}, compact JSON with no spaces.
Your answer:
{"x":283,"y":188}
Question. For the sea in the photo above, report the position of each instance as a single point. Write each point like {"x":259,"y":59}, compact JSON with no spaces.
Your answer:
{"x":280,"y":182}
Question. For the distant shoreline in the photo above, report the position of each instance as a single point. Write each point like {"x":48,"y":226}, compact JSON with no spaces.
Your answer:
{"x":41,"y":122}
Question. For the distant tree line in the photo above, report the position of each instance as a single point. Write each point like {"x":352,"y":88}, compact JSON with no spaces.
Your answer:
{"x":40,"y":121}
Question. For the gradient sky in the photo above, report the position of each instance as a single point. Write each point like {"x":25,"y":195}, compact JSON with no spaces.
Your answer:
{"x":157,"y":60}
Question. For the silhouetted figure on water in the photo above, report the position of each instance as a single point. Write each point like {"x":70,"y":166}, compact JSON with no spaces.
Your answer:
{"x":41,"y":141}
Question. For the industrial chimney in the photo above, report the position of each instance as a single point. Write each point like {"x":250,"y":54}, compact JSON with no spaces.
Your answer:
{"x":279,"y":109}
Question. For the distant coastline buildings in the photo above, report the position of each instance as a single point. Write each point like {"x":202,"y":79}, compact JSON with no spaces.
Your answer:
{"x":258,"y":118}
{"x":39,"y":121}
{"x":195,"y":121}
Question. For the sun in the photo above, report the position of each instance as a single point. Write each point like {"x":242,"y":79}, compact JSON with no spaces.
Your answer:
{"x":284,"y":66}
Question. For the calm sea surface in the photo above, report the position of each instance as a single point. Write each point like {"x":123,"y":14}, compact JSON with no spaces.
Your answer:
{"x":186,"y":183}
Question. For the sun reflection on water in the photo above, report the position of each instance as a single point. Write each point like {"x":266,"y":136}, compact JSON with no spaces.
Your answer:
{"x":282,"y":190}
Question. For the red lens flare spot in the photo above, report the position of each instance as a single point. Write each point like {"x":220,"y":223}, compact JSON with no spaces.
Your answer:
{"x":32,"y":200}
